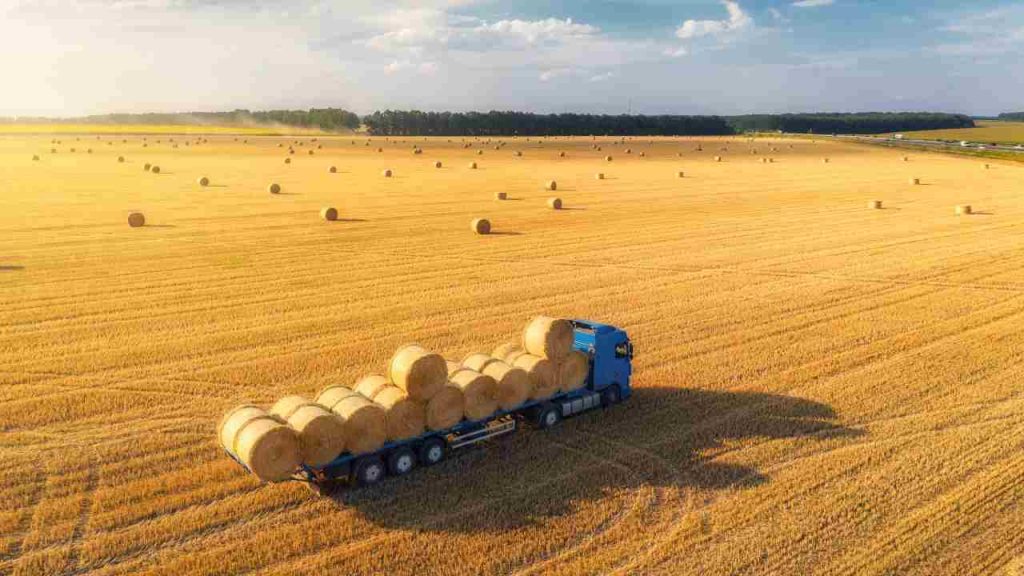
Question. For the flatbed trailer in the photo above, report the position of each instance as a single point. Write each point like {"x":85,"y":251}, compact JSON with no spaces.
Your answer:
{"x":610,"y":355}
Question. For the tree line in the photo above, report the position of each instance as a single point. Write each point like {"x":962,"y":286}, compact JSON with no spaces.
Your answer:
{"x":1015,"y":116}
{"x":494,"y":123}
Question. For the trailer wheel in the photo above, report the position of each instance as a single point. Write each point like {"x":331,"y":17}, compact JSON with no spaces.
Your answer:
{"x":401,"y":462}
{"x":432,"y":451}
{"x":610,"y":395}
{"x":548,"y":416}
{"x":368,"y":471}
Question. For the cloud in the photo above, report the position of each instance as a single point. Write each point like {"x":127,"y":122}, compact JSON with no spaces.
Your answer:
{"x":676,"y":52}
{"x":433,"y":30}
{"x":601,"y":77}
{"x":738,"y":21}
{"x":812,"y":3}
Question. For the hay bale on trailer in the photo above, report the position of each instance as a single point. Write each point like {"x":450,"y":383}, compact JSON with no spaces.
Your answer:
{"x":447,"y":407}
{"x":365,"y":422}
{"x":478,"y":361}
{"x":513,"y":384}
{"x":478,"y":391}
{"x":542,"y":373}
{"x":266,"y":446}
{"x":503,"y":351}
{"x":403,"y":417}
{"x":573,"y":371}
{"x":321,"y":432}
{"x":548,"y":337}
{"x":419,"y":372}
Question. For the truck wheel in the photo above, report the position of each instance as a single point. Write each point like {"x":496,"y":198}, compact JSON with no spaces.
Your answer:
{"x":432,"y":451}
{"x":548,"y":416}
{"x":368,"y":471}
{"x":401,"y":462}
{"x":610,"y":395}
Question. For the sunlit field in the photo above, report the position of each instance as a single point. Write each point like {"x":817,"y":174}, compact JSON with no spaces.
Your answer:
{"x":70,"y":132}
{"x":821,"y":387}
{"x":986,"y":132}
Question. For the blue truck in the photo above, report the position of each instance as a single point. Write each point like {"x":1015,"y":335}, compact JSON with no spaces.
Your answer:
{"x":608,"y":383}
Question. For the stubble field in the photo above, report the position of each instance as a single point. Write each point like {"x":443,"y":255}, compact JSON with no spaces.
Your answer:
{"x":821,"y":388}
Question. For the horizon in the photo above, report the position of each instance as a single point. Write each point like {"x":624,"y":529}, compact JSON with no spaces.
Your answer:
{"x":750,"y":56}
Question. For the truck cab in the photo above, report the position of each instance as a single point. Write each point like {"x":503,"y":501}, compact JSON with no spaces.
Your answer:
{"x":611,"y":355}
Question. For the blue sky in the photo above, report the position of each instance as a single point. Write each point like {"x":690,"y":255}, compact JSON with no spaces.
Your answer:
{"x":649,"y":56}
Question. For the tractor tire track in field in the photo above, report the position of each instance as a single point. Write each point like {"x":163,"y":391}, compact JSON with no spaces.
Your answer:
{"x":21,"y":532}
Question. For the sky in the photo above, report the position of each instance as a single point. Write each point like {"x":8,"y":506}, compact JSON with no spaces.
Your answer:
{"x":63,"y":58}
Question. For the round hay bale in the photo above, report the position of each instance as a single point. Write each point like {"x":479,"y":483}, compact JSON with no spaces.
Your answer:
{"x":329,"y":213}
{"x":512,"y":384}
{"x":287,"y":160}
{"x":204,"y":181}
{"x":764,"y":160}
{"x":147,"y":166}
{"x":403,"y":417}
{"x":599,"y":176}
{"x":915,"y":181}
{"x":551,"y":185}
{"x":267,"y":447}
{"x":548,"y":337}
{"x":643,"y":154}
{"x":906,"y":159}
{"x":386,"y":173}
{"x":518,"y":153}
{"x":333,"y":169}
{"x":680,"y":174}
{"x":629,"y":150}
{"x":365,"y":422}
{"x":986,"y":166}
{"x":321,"y":432}
{"x":875,"y":204}
{"x":607,"y":158}
{"x":472,"y":165}
{"x":446,"y":408}
{"x":505,"y":350}
{"x":555,"y":203}
{"x":824,"y":160}
{"x":479,"y":152}
{"x":120,"y":159}
{"x":280,"y":145}
{"x":501,"y":195}
{"x":573,"y":371}
{"x":718,"y":158}
{"x":963,"y":209}
{"x":480,"y":226}
{"x":478,"y":361}
{"x":543,"y":377}
{"x":478,"y":392}
{"x":561,"y":154}
{"x":155,"y":169}
{"x":35,"y":158}
{"x":437,"y":164}
{"x":136,"y":219}
{"x":418,"y":371}
{"x":274,"y":188}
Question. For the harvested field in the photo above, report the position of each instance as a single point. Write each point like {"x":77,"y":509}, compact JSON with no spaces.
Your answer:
{"x":819,"y":388}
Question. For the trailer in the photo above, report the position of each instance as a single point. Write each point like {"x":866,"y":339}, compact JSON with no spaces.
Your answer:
{"x":608,"y":383}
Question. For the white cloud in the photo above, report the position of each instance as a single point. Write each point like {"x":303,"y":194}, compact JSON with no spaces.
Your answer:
{"x":813,"y":3}
{"x":738,"y":21}
{"x":676,"y":52}
{"x":601,"y":77}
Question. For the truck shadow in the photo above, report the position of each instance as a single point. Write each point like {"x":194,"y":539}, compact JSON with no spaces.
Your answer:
{"x":670,"y":438}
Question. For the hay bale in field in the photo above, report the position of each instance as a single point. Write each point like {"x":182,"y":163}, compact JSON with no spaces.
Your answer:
{"x":551,"y":185}
{"x":875,"y":204}
{"x":915,"y":181}
{"x":643,"y":154}
{"x":446,"y":408}
{"x":629,"y":150}
{"x":541,"y":371}
{"x":478,"y":392}
{"x":963,"y":209}
{"x":573,"y":370}
{"x":329,"y":213}
{"x":555,"y":203}
{"x":280,"y":145}
{"x":824,"y":160}
{"x":512,"y":384}
{"x":365,"y":422}
{"x":505,"y":350}
{"x":380,"y":149}
{"x":478,"y":361}
{"x":607,"y":158}
{"x":472,"y":165}
{"x":120,"y":159}
{"x":287,"y":160}
{"x":437,"y":164}
{"x":764,"y":160}
{"x":321,"y":432}
{"x":403,"y":417}
{"x":480,"y":226}
{"x":155,"y":169}
{"x":718,"y":158}
{"x":35,"y":158}
{"x":985,"y":166}
{"x":906,"y":159}
{"x":501,"y":195}
{"x":274,"y":188}
{"x":333,"y":169}
{"x":203,"y":181}
{"x":561,"y":154}
{"x":267,"y":447}
{"x":136,"y":219}
{"x":680,"y":174}
{"x":599,"y":176}
{"x":548,"y":337}
{"x":386,"y":173}
{"x":518,"y":153}
{"x":479,"y":152}
{"x":418,"y":371}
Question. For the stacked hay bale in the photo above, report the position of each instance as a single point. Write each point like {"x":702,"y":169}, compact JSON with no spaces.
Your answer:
{"x":269,"y":448}
{"x":403,"y":417}
{"x":321,"y":433}
{"x":547,"y":356}
{"x":365,"y":423}
{"x":512,"y":385}
{"x":478,"y":390}
{"x":424,"y":377}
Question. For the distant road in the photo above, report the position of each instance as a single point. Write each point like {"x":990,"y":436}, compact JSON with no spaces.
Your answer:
{"x":889,"y":141}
